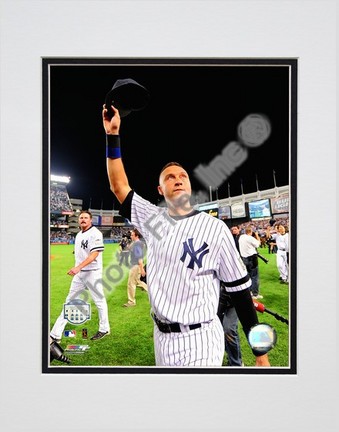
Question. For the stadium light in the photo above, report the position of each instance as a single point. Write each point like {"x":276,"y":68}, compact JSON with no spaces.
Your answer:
{"x":60,"y":179}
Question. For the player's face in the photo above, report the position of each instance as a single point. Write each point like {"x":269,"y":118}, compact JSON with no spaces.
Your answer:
{"x":85,"y":221}
{"x":281,"y":229}
{"x":175,"y":185}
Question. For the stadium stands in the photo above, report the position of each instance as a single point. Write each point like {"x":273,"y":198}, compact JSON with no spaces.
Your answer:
{"x":59,"y":199}
{"x":232,"y":210}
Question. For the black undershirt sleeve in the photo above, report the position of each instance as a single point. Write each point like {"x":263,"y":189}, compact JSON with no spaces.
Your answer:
{"x":126,"y":206}
{"x":243,"y":303}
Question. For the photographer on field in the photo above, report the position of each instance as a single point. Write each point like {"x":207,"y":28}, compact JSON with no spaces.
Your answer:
{"x":124,"y":251}
{"x":248,"y":244}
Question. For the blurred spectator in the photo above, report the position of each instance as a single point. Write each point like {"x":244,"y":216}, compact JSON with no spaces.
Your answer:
{"x":282,"y":242}
{"x":270,"y":240}
{"x":248,"y":244}
{"x":229,"y":318}
{"x":124,"y":245}
{"x":137,"y":269}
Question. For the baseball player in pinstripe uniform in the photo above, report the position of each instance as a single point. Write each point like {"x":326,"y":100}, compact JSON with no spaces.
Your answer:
{"x":87,"y":273}
{"x":282,"y":242}
{"x":188,"y":253}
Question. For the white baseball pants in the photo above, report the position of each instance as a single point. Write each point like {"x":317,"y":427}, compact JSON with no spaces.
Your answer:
{"x":93,"y":281}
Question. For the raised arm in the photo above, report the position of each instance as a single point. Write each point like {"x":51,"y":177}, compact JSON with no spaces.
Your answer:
{"x":115,"y":169}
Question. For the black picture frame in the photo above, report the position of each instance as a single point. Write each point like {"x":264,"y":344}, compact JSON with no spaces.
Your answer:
{"x":126,"y":65}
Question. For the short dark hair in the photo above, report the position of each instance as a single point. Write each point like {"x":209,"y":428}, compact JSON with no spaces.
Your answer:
{"x":171,"y":164}
{"x":136,"y":232}
{"x":86,"y":211}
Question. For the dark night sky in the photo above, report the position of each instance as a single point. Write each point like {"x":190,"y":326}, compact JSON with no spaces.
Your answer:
{"x":193,"y":113}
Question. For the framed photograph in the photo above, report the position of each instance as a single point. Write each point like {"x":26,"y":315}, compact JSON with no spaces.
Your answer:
{"x":232,"y":124}
{"x":191,"y":117}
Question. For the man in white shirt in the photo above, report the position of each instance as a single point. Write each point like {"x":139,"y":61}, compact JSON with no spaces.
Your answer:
{"x":248,"y":244}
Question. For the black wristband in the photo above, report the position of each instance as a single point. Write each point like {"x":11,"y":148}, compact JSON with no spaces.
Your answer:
{"x":113,"y":150}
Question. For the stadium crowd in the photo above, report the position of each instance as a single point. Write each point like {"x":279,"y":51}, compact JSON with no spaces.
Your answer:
{"x":114,"y":236}
{"x":59,"y":199}
{"x":267,"y":230}
{"x":118,"y":232}
{"x":61,"y":236}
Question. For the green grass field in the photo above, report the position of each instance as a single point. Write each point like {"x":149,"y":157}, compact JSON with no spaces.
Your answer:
{"x":131,"y":340}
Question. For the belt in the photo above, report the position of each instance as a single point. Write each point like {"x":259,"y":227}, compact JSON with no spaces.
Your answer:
{"x":173,"y":327}
{"x":89,"y":270}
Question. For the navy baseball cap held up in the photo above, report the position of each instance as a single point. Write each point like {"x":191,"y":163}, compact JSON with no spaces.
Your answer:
{"x":127,"y":95}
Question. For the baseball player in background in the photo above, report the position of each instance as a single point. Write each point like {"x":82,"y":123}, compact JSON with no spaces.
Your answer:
{"x":87,"y":273}
{"x":188,"y":254}
{"x":282,"y":242}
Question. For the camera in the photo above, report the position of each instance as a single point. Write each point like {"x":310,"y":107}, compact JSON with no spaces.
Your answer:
{"x":262,"y":258}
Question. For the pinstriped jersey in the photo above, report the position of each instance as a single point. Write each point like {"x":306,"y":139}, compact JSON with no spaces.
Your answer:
{"x":186,"y":259}
{"x":86,"y":242}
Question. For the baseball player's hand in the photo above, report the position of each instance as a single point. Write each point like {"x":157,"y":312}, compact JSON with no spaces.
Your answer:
{"x":73,"y":271}
{"x":262,"y":361}
{"x":111,"y":125}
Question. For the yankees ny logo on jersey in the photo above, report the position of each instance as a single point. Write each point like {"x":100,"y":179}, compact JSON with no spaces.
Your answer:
{"x":84,"y":244}
{"x":189,"y":249}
